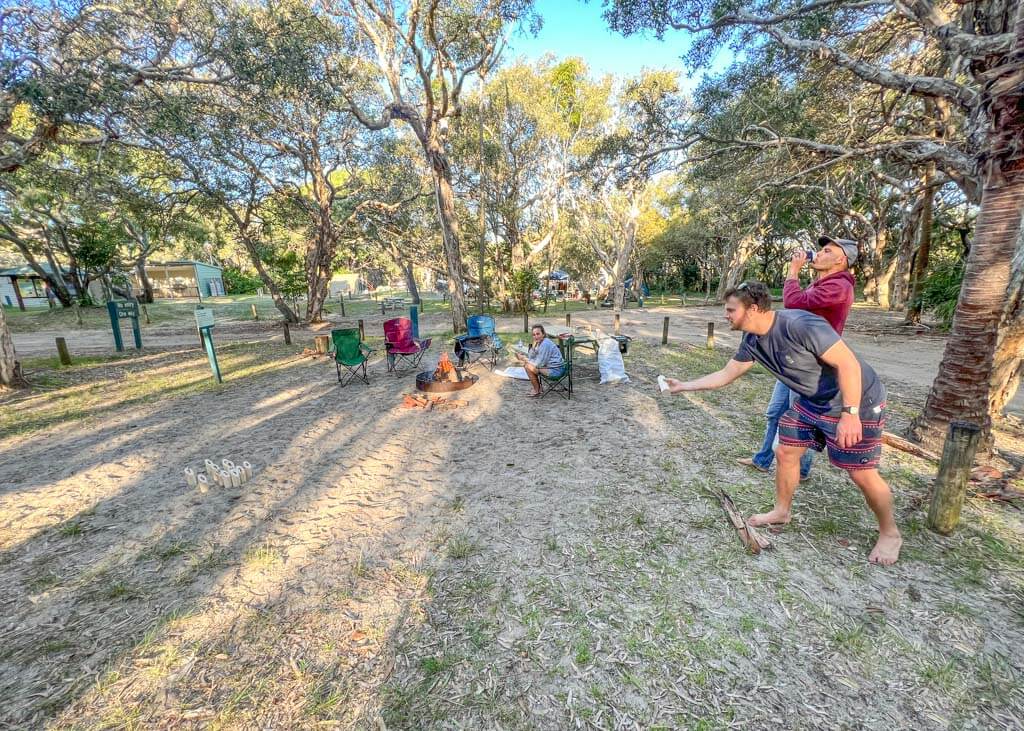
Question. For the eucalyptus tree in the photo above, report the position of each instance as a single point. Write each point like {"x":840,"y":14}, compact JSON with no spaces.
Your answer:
{"x":418,"y":56}
{"x":637,"y":147}
{"x":964,"y":61}
{"x":539,"y":121}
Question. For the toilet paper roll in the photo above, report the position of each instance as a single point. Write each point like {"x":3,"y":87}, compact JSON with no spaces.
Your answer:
{"x":202,"y":483}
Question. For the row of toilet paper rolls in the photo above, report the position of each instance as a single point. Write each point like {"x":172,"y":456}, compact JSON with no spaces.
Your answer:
{"x":226,"y":475}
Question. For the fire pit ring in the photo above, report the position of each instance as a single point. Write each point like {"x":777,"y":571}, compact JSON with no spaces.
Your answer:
{"x":425,"y":382}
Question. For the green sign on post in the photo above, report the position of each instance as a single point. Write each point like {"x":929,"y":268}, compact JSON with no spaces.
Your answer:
{"x":204,"y":321}
{"x":124,"y":310}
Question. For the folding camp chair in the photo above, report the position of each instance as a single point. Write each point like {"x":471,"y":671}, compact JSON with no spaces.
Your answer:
{"x":351,"y":353}
{"x":480,"y":343}
{"x":561,"y":383}
{"x":401,"y":347}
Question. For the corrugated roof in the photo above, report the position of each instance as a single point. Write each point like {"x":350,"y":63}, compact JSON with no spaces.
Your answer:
{"x":26,"y":271}
{"x":183,"y":262}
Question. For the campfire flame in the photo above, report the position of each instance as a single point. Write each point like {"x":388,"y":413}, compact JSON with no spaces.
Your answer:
{"x":445,"y":371}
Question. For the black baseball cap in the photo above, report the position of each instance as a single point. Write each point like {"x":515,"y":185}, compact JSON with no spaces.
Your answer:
{"x":849,"y":247}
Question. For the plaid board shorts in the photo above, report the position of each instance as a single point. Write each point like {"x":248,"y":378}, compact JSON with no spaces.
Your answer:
{"x":801,"y":427}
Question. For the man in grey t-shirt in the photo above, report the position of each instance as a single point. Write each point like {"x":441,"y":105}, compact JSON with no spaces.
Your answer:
{"x":841,"y":406}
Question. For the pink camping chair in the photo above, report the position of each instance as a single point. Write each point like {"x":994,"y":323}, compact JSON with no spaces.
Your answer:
{"x":403,"y":350}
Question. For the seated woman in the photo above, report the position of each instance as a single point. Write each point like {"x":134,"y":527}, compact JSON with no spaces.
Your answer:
{"x":543,"y":357}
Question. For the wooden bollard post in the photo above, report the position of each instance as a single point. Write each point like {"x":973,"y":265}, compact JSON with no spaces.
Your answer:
{"x":362,"y":335}
{"x":255,"y":315}
{"x":664,"y":332}
{"x":287,"y":333}
{"x":711,"y":336}
{"x":568,"y":319}
{"x":954,"y":471}
{"x":62,"y":351}
{"x":618,"y":324}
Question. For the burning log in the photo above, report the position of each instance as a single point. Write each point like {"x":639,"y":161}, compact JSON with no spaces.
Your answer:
{"x":445,"y":371}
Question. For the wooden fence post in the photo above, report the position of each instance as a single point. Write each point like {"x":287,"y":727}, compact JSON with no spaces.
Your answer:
{"x":711,"y":336}
{"x":62,"y":351}
{"x":664,"y":332}
{"x":287,"y":333}
{"x":954,"y":471}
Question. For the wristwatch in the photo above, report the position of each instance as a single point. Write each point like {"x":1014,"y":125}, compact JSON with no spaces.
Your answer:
{"x":851,"y":410}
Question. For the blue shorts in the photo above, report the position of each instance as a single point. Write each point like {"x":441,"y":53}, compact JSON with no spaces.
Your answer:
{"x":801,"y":427}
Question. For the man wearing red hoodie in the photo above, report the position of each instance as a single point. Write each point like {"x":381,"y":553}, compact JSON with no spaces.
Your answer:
{"x":830,"y":296}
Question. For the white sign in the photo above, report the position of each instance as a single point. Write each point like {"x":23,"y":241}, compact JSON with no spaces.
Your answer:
{"x":204,"y":317}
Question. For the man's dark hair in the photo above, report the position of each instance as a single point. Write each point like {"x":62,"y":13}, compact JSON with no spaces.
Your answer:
{"x":752,"y":293}
{"x":541,"y":328}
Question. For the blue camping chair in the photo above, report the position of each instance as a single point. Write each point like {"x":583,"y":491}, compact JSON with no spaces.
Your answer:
{"x":480,"y":343}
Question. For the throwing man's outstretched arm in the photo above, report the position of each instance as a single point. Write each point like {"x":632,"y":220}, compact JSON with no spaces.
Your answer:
{"x":732,"y":370}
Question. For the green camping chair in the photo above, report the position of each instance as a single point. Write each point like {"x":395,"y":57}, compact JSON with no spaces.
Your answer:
{"x":562,"y":383}
{"x":351,"y":353}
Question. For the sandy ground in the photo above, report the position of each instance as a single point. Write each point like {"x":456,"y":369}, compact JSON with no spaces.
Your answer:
{"x":511,"y":564}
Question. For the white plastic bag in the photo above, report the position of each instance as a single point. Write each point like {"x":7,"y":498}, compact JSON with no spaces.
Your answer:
{"x":609,"y":362}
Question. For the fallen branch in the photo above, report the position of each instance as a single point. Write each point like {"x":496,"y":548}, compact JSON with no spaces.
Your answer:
{"x":903,"y":445}
{"x":429,"y":403}
{"x":749,"y":537}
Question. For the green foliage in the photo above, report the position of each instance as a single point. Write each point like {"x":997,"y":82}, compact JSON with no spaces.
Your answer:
{"x":238,"y":282}
{"x":287,"y":271}
{"x":942,"y":290}
{"x":522,"y":283}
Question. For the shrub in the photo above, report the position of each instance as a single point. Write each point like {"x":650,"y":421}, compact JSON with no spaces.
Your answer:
{"x":238,"y":282}
{"x":942,"y":289}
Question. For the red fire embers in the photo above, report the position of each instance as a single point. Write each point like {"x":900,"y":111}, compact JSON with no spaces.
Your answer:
{"x":445,"y":371}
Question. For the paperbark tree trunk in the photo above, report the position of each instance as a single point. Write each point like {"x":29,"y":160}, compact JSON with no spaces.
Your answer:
{"x":1008,"y":361}
{"x":621,"y":265}
{"x":10,"y":368}
{"x":320,"y":266}
{"x":924,"y":248}
{"x":146,"y":295}
{"x":445,"y":198}
{"x":905,"y":254}
{"x":963,"y":388}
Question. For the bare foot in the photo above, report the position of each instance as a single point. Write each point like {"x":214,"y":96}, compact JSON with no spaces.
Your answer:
{"x":886,"y":550}
{"x":778,"y":516}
